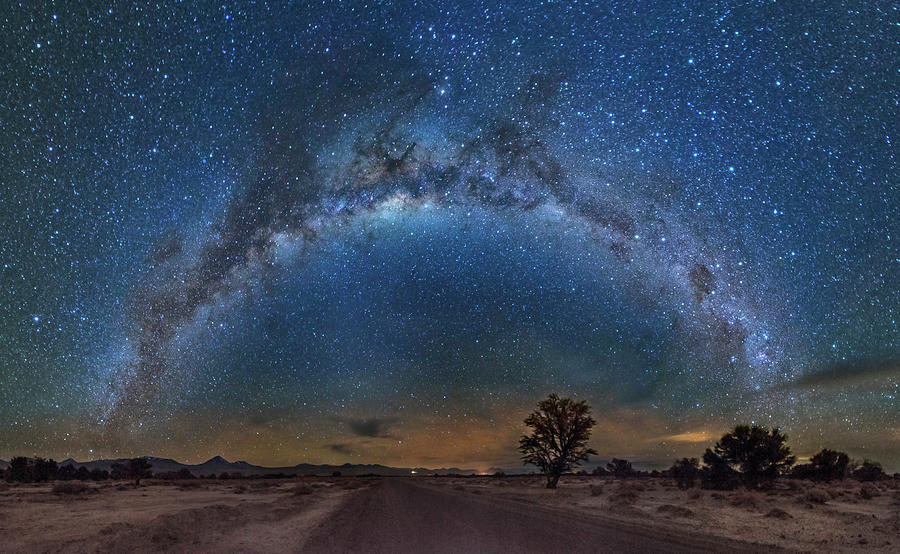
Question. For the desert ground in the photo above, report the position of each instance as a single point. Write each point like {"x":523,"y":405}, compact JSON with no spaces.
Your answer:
{"x":451,"y":514}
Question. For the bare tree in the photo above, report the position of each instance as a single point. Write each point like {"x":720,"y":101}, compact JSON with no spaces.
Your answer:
{"x":562,"y":428}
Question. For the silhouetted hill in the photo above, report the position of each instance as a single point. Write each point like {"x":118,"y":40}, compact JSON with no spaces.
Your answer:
{"x":218,"y":465}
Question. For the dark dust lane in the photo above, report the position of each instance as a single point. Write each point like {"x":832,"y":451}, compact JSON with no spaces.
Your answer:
{"x":399,"y":516}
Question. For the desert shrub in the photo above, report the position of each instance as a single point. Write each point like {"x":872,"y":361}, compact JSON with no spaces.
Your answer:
{"x":794,"y":485}
{"x":868,"y":492}
{"x":240,"y":489}
{"x":869,"y":471}
{"x":829,"y":464}
{"x":625,"y":494}
{"x":20,"y":469}
{"x":817,"y":495}
{"x":72,"y":488}
{"x":620,"y":468}
{"x":677,"y":511}
{"x":188,"y":485}
{"x":695,"y":494}
{"x":756,"y":455}
{"x":685,"y":471}
{"x":717,"y":474}
{"x":302,"y":490}
{"x":135,"y":468}
{"x":596,"y":490}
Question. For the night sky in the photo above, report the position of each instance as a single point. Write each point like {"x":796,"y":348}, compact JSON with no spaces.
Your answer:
{"x":377,"y":233}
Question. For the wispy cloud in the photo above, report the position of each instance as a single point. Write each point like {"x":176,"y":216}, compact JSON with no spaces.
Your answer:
{"x":340,"y":448}
{"x":373,"y":427}
{"x":851,"y":373}
{"x":690,"y":436}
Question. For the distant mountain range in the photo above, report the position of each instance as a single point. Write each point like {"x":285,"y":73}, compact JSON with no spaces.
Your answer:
{"x":218,"y":465}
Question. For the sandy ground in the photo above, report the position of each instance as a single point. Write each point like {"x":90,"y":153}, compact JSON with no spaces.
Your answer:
{"x":190,"y":516}
{"x":406,"y":516}
{"x":796,"y":515}
{"x":445,"y":514}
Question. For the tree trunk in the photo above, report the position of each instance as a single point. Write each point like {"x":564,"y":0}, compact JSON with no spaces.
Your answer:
{"x":552,"y":480}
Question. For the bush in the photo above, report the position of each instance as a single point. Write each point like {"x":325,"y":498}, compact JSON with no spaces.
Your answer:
{"x":72,"y":488}
{"x":829,"y":464}
{"x":302,"y":490}
{"x":718,"y":474}
{"x":755,"y":454}
{"x":676,"y":511}
{"x":596,"y":490}
{"x":685,"y":472}
{"x":868,"y":492}
{"x":626,"y":494}
{"x":817,"y":495}
{"x":869,"y":471}
{"x":620,"y":468}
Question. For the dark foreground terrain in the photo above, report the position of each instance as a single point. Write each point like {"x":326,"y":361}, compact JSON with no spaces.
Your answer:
{"x":447,"y":514}
{"x":400,"y":516}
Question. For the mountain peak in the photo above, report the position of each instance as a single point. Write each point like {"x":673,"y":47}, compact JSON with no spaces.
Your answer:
{"x":216,"y":460}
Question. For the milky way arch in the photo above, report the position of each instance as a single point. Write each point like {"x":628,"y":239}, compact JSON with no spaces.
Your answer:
{"x":364,"y":144}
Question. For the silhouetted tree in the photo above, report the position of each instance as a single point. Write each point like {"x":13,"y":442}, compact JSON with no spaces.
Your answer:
{"x":620,"y":468}
{"x":685,"y":472}
{"x":98,"y":474}
{"x":758,"y":454}
{"x":135,"y":468}
{"x":66,"y":472}
{"x":827,"y":465}
{"x":20,"y":469}
{"x":44,"y":470}
{"x":869,"y":471}
{"x":599,"y":471}
{"x":717,"y":473}
{"x":562,"y":428}
{"x":82,"y":473}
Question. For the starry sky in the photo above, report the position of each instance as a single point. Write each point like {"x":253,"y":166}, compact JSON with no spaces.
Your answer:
{"x":380,"y":233}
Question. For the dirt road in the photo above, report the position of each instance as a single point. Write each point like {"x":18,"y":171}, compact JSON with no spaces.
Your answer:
{"x":399,"y":516}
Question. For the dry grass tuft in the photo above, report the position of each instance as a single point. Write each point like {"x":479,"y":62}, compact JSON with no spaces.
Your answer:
{"x":302,"y":490}
{"x":596,"y":490}
{"x":817,"y":495}
{"x":675,"y":511}
{"x":625,"y":495}
{"x":868,"y":491}
{"x":190,"y":485}
{"x":778,"y":513}
{"x":73,"y":488}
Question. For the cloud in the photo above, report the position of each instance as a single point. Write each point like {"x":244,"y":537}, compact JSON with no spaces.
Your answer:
{"x":690,"y":436}
{"x":340,"y":448}
{"x":372,"y":427}
{"x":852,"y":373}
